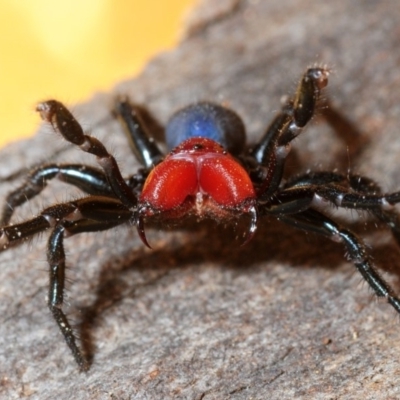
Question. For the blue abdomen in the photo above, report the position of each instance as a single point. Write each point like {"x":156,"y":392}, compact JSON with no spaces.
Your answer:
{"x":206,"y":120}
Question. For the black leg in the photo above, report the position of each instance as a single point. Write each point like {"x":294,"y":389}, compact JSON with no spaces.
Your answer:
{"x":315,"y":221}
{"x":390,"y":218}
{"x":84,"y":215}
{"x":143,"y":146}
{"x":56,"y":260}
{"x":88,"y":179}
{"x":92,"y":212}
{"x":289,"y":201}
{"x":360,"y":201}
{"x":64,"y":123}
{"x":14,"y":234}
{"x":352,"y":191}
{"x":273,"y":148}
{"x":299,"y":198}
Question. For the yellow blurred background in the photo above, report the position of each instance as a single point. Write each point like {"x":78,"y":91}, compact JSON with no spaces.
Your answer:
{"x":70,"y":49}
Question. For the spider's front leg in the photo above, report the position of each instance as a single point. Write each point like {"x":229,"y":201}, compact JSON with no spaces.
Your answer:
{"x":142,"y":144}
{"x":65,"y":123}
{"x":86,"y":178}
{"x":274,"y":146}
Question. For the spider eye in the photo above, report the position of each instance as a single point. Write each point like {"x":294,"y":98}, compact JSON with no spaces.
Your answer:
{"x":206,"y":120}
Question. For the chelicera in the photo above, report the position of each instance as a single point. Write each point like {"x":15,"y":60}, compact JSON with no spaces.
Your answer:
{"x":209,"y":173}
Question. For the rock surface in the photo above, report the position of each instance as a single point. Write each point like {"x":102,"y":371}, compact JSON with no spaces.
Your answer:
{"x":199,"y":317}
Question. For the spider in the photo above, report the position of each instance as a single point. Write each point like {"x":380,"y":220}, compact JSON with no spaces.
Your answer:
{"x":208,"y":173}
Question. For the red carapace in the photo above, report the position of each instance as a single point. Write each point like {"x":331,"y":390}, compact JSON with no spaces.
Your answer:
{"x":198,"y":176}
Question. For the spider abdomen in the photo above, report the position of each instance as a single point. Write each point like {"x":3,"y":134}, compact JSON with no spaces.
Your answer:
{"x":197,"y":169}
{"x":207,"y":120}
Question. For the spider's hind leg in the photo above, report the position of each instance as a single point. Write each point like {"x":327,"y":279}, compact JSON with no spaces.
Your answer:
{"x":57,"y":264}
{"x":355,"y":192}
{"x":389,"y":217}
{"x":93,"y":213}
{"x":317,"y":222}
